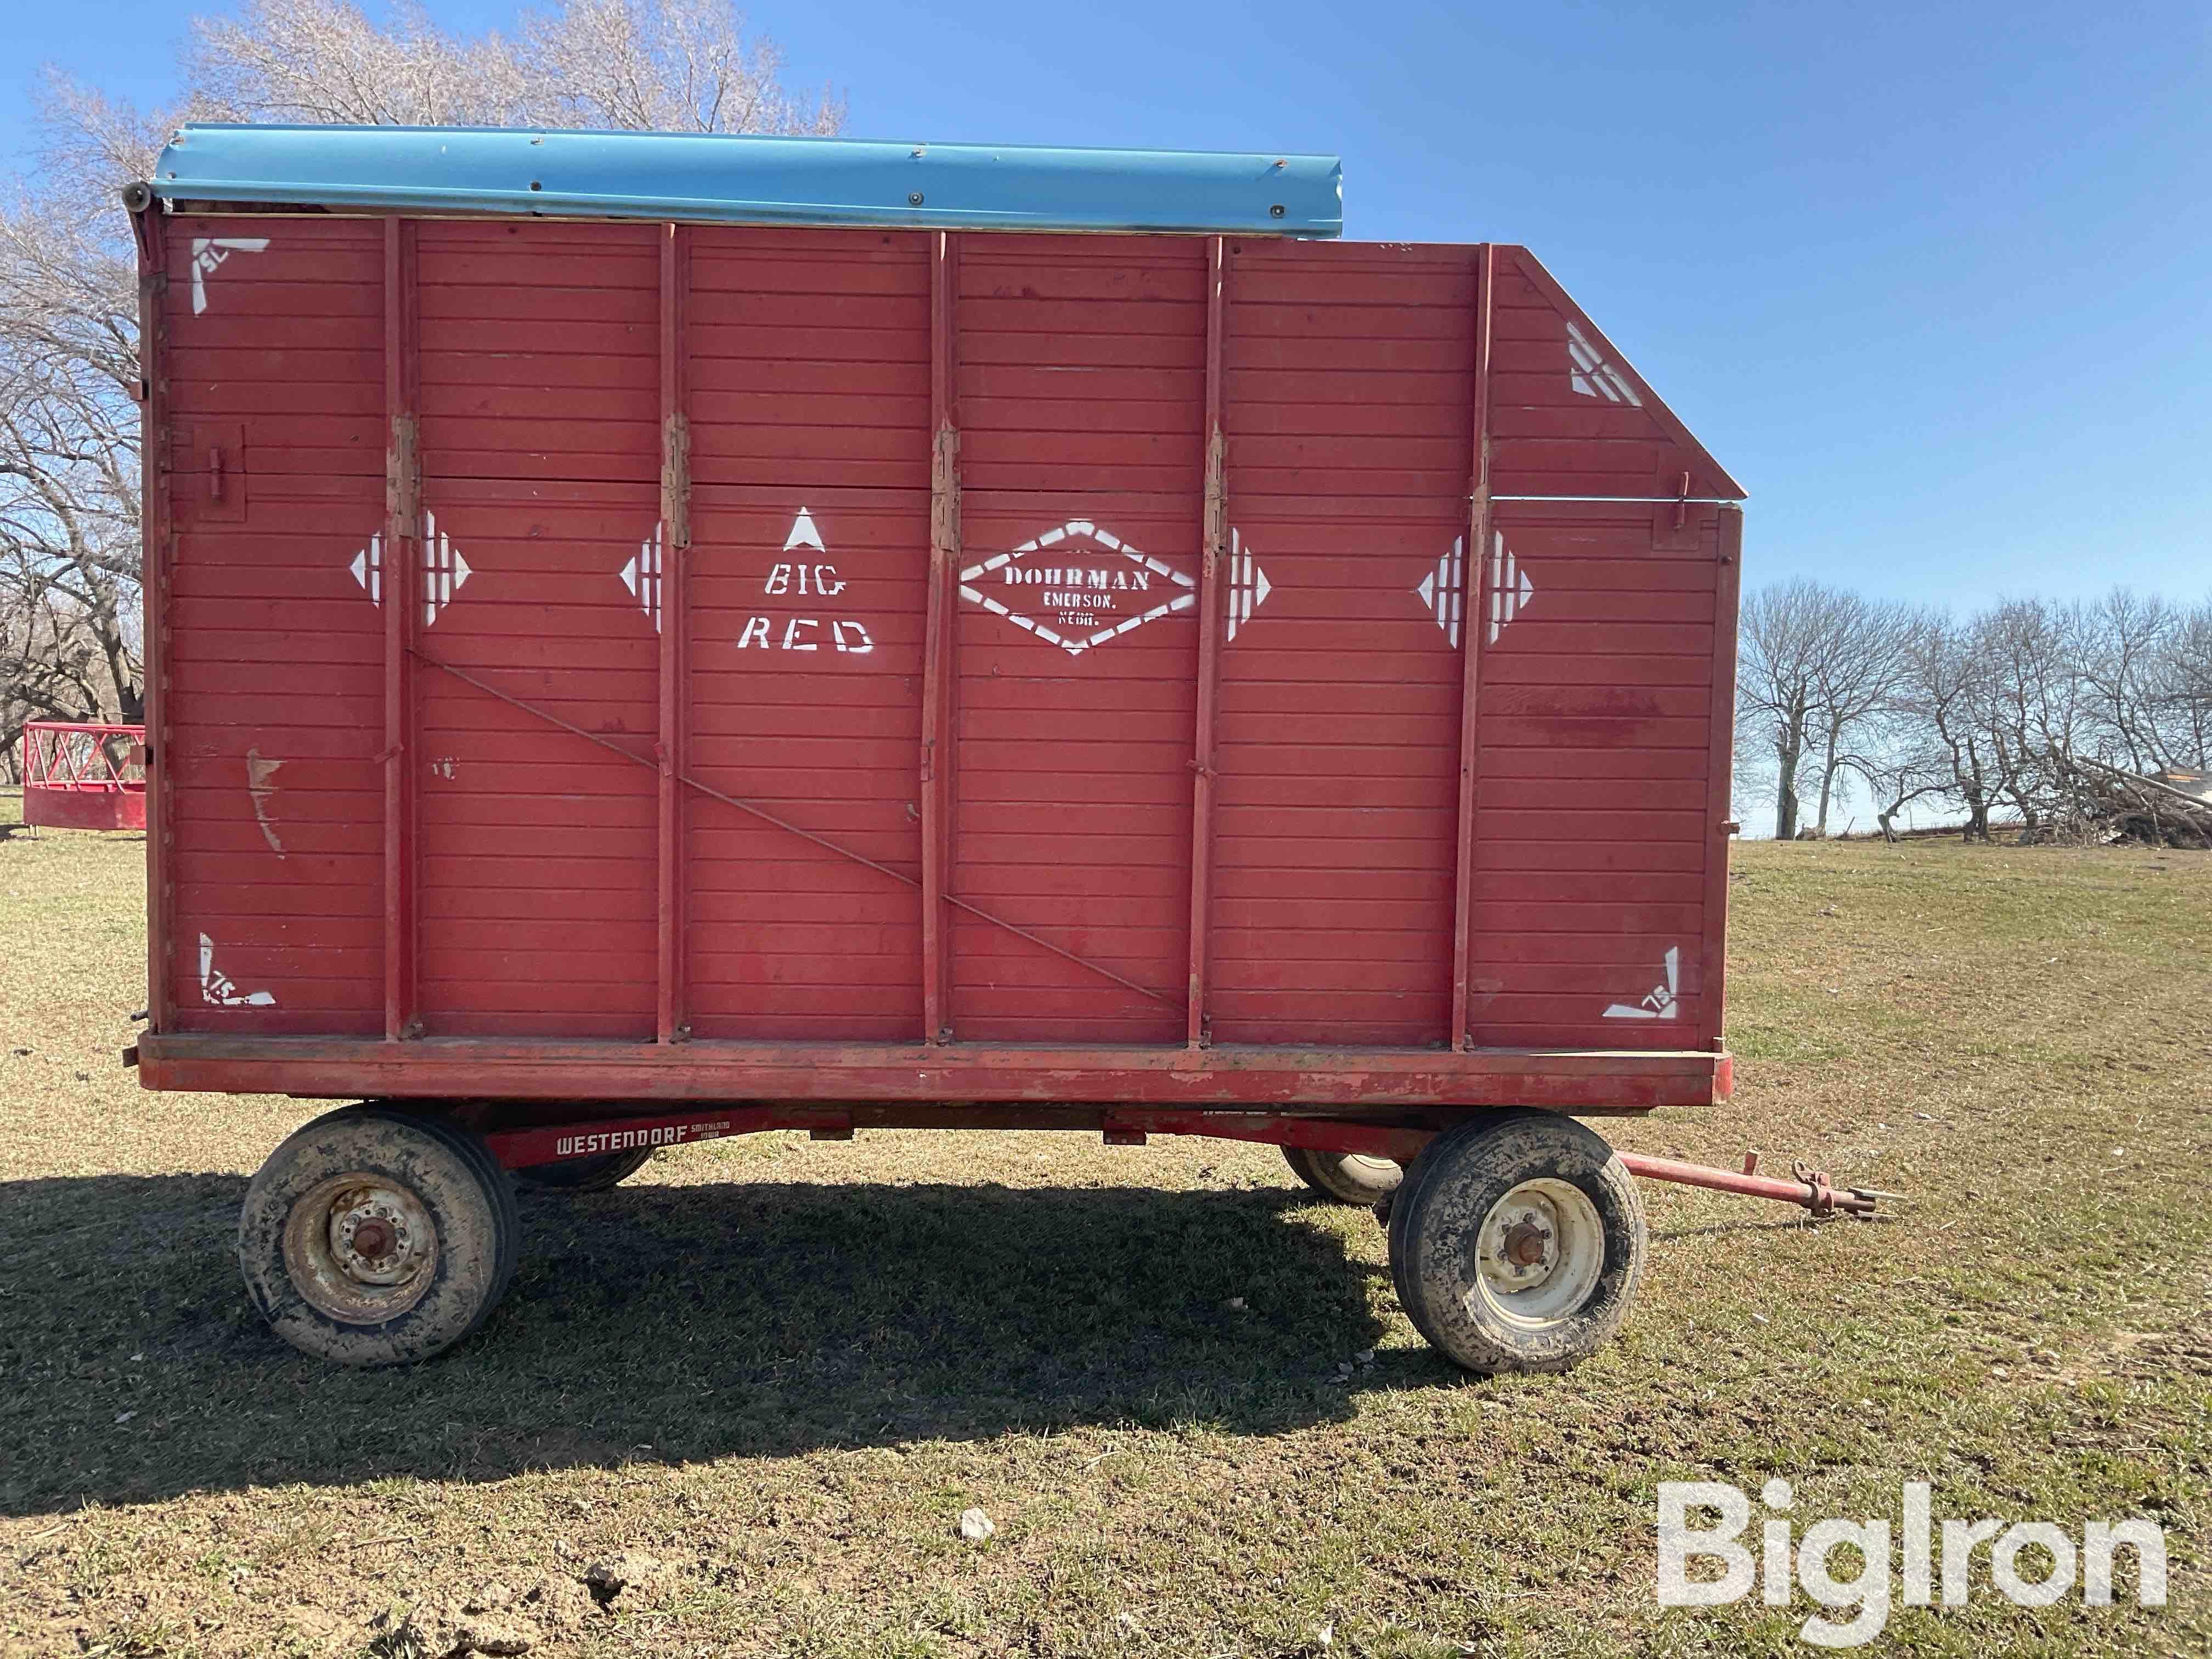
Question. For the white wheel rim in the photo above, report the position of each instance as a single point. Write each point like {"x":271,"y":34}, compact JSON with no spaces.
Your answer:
{"x":1539,"y":1254}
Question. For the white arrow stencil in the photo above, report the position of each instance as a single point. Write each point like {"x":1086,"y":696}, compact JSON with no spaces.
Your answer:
{"x":641,"y":575}
{"x":444,"y":570}
{"x":1593,"y":377}
{"x":209,"y":253}
{"x":804,"y":534}
{"x":219,"y":991}
{"x":1248,"y":583}
{"x":1511,"y":590}
{"x":1440,"y":589}
{"x":1660,"y":1003}
{"x":369,"y":569}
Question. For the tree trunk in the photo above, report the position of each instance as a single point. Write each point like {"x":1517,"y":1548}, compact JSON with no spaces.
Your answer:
{"x":1788,"y":754}
{"x":1827,"y":777}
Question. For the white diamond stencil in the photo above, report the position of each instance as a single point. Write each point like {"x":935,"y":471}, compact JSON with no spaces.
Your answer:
{"x":1097,"y":588}
{"x":1248,"y":583}
{"x":1593,"y":377}
{"x":642,"y":575}
{"x":444,"y":570}
{"x":1444,"y":590}
{"x":1511,"y":590}
{"x":369,"y":568}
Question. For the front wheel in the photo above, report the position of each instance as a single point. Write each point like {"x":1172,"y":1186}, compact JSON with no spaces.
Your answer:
{"x":1346,"y":1177}
{"x":374,"y":1237}
{"x":1518,"y":1243}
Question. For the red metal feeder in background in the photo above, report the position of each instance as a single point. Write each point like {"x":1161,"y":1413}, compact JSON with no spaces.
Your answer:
{"x":84,"y":775}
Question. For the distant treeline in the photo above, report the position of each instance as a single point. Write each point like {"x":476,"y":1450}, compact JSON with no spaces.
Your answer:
{"x":2033,"y":711}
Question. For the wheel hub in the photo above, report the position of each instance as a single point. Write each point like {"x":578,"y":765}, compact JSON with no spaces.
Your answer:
{"x":374,"y":1232}
{"x":1520,"y":1242}
{"x":1539,"y":1252}
{"x":361,"y":1247}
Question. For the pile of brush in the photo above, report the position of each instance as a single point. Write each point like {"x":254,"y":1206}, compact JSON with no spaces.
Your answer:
{"x":2170,"y":809}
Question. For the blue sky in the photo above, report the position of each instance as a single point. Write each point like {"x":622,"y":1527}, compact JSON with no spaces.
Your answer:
{"x":1935,"y":281}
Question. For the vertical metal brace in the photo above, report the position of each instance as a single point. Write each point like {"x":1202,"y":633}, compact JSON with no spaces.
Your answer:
{"x":675,"y":566}
{"x":1212,"y":617}
{"x":403,"y":527}
{"x":1728,"y":581}
{"x":936,"y":673}
{"x":157,"y":555}
{"x":1479,"y":533}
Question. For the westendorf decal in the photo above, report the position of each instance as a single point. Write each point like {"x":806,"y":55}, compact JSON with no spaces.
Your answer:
{"x":629,"y":1140}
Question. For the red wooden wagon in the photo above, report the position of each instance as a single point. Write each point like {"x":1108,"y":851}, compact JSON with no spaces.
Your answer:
{"x":664,"y":637}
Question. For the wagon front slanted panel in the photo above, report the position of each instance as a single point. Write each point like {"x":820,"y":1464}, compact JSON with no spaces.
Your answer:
{"x":1259,"y":653}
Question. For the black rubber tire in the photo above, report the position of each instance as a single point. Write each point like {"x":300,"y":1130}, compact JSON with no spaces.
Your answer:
{"x":584,"y":1175}
{"x":1345,"y":1177}
{"x":443,"y":1168}
{"x":1437,"y":1216}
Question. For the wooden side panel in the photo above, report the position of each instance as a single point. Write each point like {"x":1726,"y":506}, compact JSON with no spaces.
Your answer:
{"x":536,"y":860}
{"x":1596,"y":733}
{"x":1052,"y":397}
{"x":1081,"y":371}
{"x":273,"y":653}
{"x":1348,"y":407}
{"x":809,"y":366}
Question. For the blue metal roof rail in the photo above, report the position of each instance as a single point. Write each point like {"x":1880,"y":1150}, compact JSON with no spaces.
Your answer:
{"x":731,"y":179}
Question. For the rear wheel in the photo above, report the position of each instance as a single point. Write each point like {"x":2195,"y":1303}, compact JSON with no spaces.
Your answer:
{"x":374,"y":1237}
{"x":1346,"y":1177}
{"x":1518,"y":1243}
{"x":585,"y":1174}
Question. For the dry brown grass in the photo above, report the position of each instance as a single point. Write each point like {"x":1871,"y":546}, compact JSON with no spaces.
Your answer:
{"x":784,"y":1369}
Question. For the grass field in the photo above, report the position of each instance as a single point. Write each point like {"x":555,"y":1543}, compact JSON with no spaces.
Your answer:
{"x":1184,"y":1394}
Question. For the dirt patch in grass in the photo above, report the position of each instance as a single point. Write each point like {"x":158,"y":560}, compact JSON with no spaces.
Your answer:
{"x":780,"y":1372}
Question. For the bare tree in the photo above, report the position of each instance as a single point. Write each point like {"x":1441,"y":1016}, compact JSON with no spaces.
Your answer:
{"x":673,"y":65}
{"x":669,"y":65}
{"x":1901,"y":762}
{"x":2180,"y":694}
{"x":2119,"y":647}
{"x":69,"y":446}
{"x":1781,"y":641}
{"x":69,"y":328}
{"x":1817,"y":664}
{"x":1942,"y":693}
{"x":1857,"y":680}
